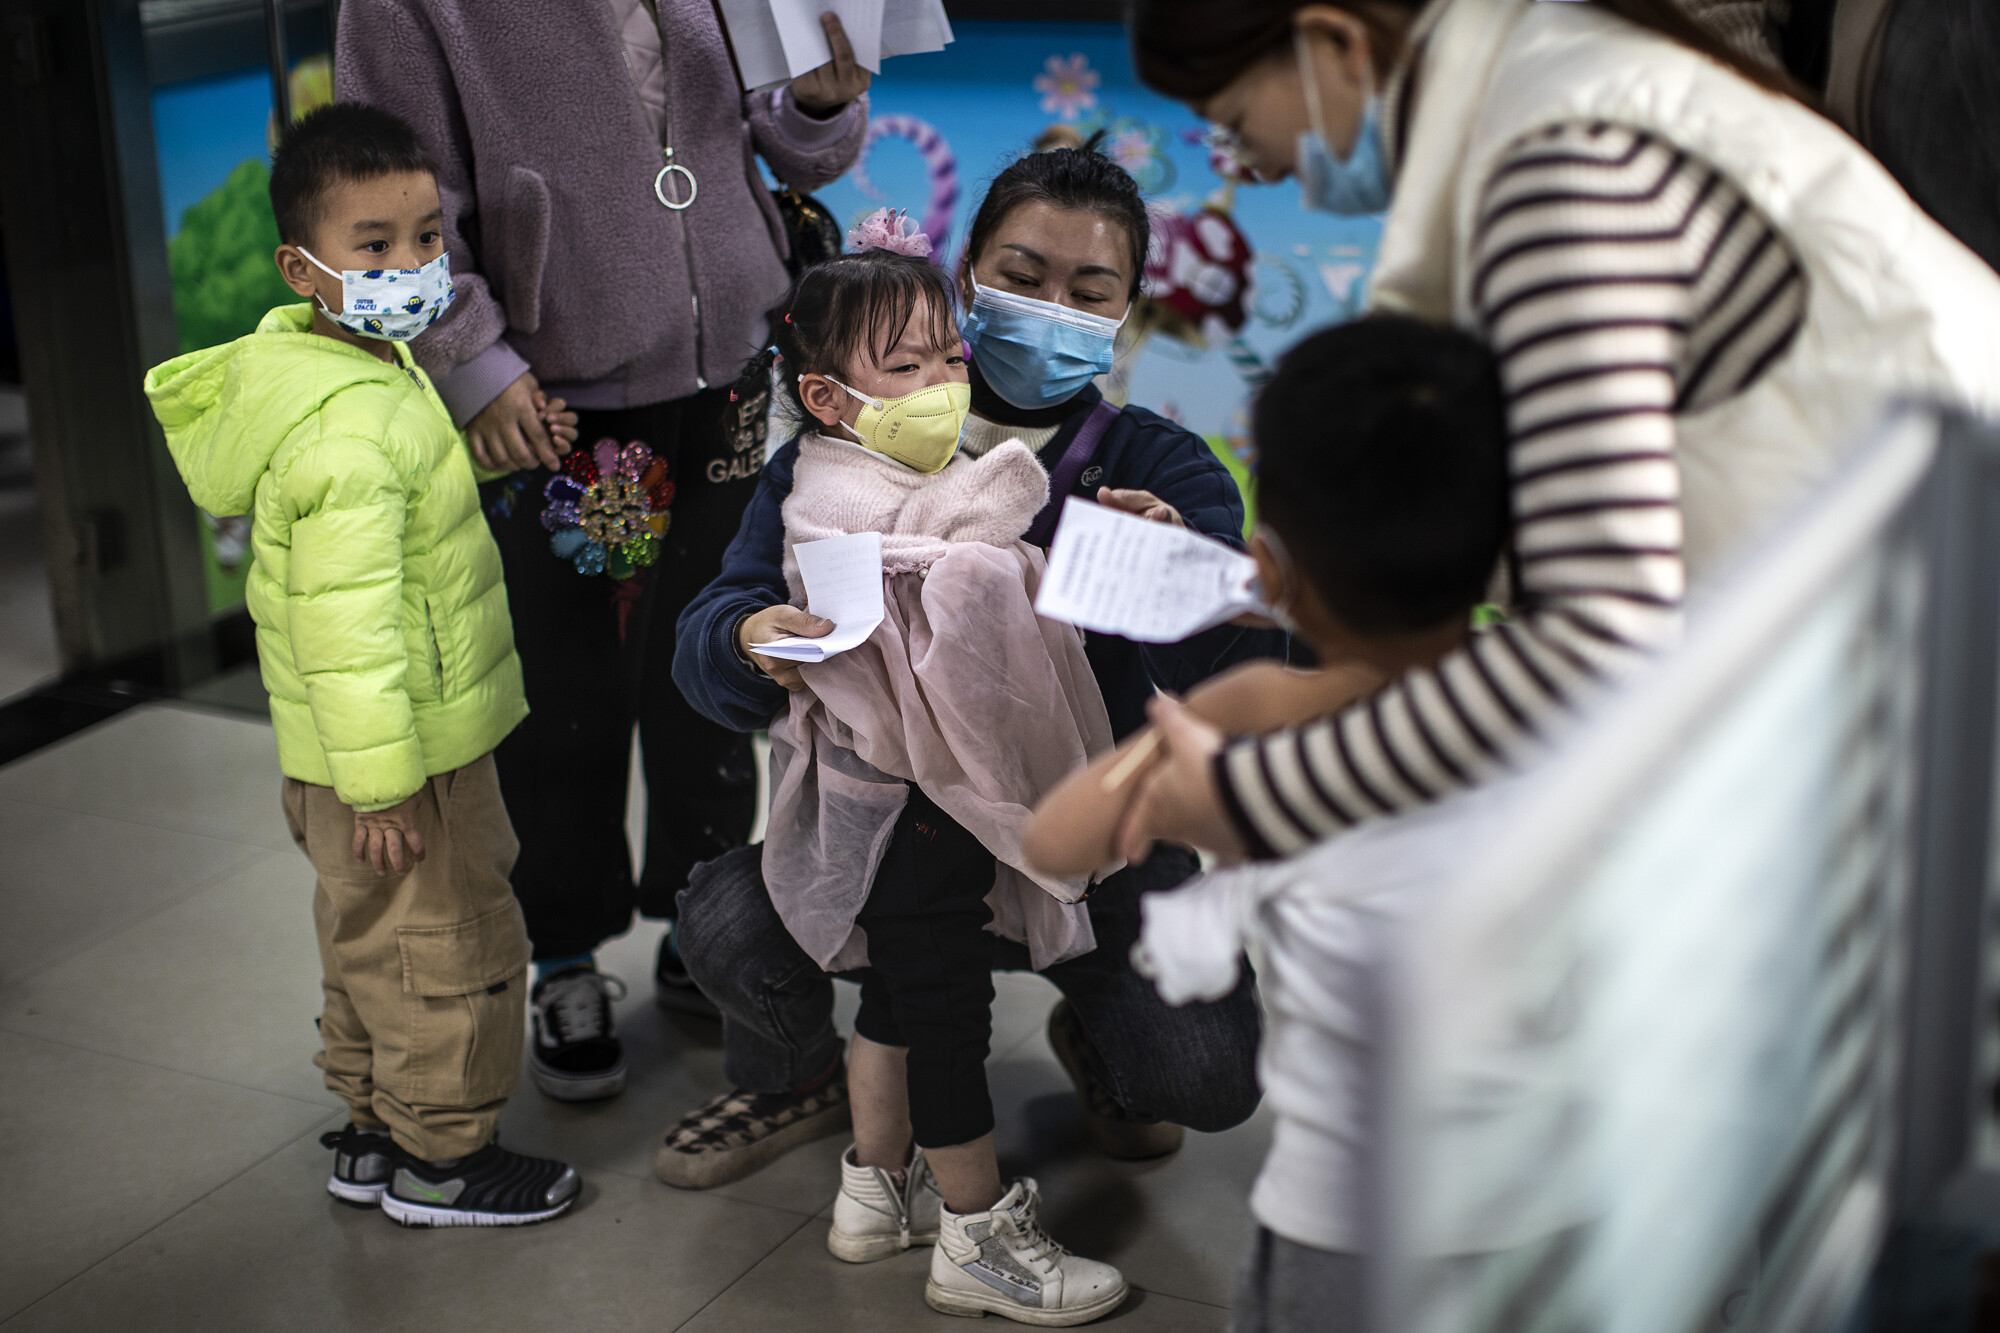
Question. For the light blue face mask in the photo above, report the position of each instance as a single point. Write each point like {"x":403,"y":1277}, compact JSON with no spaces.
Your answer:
{"x":1036,"y":353}
{"x":1355,"y":187}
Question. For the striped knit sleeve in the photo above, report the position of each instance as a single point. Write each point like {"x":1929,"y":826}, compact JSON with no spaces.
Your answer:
{"x":1619,"y":282}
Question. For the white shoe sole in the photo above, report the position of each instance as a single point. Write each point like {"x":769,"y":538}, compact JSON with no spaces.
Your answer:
{"x":972,"y":1304}
{"x":868,"y":1248}
{"x":577,"y":1088}
{"x":361,"y":1196}
{"x":406,"y":1214}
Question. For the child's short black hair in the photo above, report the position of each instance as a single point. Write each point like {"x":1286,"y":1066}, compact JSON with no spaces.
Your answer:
{"x":1382,"y":466}
{"x":845,"y":306}
{"x":344,"y":141}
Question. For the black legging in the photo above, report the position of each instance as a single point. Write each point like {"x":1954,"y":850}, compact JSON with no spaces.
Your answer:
{"x":564,"y":770}
{"x":929,"y":981}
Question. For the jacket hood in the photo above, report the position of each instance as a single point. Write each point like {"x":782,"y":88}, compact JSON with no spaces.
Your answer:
{"x":227,"y":409}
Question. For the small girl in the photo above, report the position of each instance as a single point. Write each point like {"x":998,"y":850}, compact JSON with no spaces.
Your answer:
{"x":905,"y":769}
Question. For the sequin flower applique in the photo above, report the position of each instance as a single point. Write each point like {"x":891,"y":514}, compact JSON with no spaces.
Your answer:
{"x":607,"y":509}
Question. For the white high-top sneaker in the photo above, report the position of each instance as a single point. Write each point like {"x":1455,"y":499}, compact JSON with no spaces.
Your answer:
{"x":873,"y":1220}
{"x":1002,"y":1262}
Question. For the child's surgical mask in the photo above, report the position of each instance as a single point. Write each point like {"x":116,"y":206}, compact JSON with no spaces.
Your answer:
{"x":919,"y":430}
{"x":395,"y":304}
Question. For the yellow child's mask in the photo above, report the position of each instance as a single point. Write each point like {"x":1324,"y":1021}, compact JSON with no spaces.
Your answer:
{"x":919,"y":430}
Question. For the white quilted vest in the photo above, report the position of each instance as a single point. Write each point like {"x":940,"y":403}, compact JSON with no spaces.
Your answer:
{"x":1896,"y":307}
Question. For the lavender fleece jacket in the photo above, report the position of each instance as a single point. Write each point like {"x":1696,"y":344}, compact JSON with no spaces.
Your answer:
{"x":563,"y":259}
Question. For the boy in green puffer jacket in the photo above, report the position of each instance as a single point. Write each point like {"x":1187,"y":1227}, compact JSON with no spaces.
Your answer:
{"x":383,"y":634}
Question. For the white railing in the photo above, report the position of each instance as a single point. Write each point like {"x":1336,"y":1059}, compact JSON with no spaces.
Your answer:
{"x":1672,"y":1051}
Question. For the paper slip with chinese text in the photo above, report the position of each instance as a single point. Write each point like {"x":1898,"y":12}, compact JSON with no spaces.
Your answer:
{"x":1117,"y":573}
{"x":775,"y":41}
{"x":843,"y":578}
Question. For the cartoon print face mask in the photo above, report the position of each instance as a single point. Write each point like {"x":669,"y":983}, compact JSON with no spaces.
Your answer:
{"x":395,"y":304}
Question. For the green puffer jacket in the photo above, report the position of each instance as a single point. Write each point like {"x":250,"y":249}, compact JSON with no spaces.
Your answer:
{"x":382,"y":621}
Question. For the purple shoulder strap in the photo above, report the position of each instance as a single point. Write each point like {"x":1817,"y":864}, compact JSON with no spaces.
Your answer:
{"x":1069,"y":470}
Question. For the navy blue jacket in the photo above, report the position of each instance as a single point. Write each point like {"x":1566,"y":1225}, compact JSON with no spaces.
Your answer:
{"x":1140,"y":451}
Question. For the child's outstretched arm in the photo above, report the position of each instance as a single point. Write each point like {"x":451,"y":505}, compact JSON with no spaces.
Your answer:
{"x":1072,"y":830}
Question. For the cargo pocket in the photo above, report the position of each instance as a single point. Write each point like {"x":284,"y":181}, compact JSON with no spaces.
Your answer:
{"x":467,"y":989}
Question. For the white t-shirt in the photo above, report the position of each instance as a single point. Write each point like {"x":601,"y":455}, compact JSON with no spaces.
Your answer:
{"x":1320,"y":921}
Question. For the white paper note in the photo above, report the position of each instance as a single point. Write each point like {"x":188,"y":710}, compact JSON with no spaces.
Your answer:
{"x":1117,"y":573}
{"x":775,"y":41}
{"x":843,"y":578}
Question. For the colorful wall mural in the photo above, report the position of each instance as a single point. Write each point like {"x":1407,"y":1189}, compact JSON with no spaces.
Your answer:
{"x":945,"y":123}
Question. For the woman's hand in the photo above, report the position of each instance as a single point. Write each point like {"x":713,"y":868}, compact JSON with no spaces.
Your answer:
{"x":823,"y":91}
{"x":1143,"y":503}
{"x":513,"y":431}
{"x":388,"y":839}
{"x":778,"y":622}
{"x":1176,"y":800}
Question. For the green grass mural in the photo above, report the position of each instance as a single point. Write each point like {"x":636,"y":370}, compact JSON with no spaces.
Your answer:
{"x":224,"y":280}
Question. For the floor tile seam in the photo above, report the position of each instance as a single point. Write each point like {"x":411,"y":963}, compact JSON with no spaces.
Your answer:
{"x":1176,"y":1296}
{"x":647,"y":1177}
{"x":195,"y":1202}
{"x":207,"y":833}
{"x":251,"y":852}
{"x":755,"y":1264}
{"x":163,"y":1068}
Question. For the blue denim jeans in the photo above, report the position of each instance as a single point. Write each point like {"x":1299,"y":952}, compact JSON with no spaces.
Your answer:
{"x":1194,"y":1066}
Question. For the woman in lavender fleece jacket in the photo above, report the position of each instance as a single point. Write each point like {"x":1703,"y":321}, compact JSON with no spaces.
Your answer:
{"x":584,"y":271}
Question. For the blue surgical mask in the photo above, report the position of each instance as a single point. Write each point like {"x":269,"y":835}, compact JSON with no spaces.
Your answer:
{"x":1356,"y":186}
{"x":1036,"y":353}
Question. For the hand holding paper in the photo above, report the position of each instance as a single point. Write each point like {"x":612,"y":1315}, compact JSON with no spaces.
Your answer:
{"x":1119,"y":574}
{"x":778,"y":40}
{"x":843,"y":578}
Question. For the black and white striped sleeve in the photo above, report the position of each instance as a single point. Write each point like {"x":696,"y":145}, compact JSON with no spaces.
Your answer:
{"x":1620,"y":282}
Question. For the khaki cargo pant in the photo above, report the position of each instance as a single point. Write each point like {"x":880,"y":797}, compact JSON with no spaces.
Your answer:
{"x":424,"y":973}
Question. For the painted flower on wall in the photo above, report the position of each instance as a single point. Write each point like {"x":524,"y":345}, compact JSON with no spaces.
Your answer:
{"x":1068,"y":85}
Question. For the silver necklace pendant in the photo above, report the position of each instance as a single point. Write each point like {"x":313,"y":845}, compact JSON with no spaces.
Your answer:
{"x":660,"y":182}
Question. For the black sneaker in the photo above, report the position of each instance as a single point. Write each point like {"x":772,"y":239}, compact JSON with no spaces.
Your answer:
{"x":673,"y":988}
{"x":1116,"y":1131}
{"x":491,"y":1188}
{"x":741,"y":1131}
{"x":362,"y":1160}
{"x":574,"y":1057}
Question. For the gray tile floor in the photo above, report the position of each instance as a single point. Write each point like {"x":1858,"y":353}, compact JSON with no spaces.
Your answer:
{"x":157,"y":987}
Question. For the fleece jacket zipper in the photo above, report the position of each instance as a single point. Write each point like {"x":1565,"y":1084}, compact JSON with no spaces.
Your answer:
{"x":660,"y":181}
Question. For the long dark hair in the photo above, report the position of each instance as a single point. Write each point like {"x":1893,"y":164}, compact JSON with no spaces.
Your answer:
{"x":847,"y":305}
{"x":1191,"y":50}
{"x":1081,"y":179}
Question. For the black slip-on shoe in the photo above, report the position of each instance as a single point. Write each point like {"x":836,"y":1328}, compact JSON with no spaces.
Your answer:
{"x":491,"y":1188}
